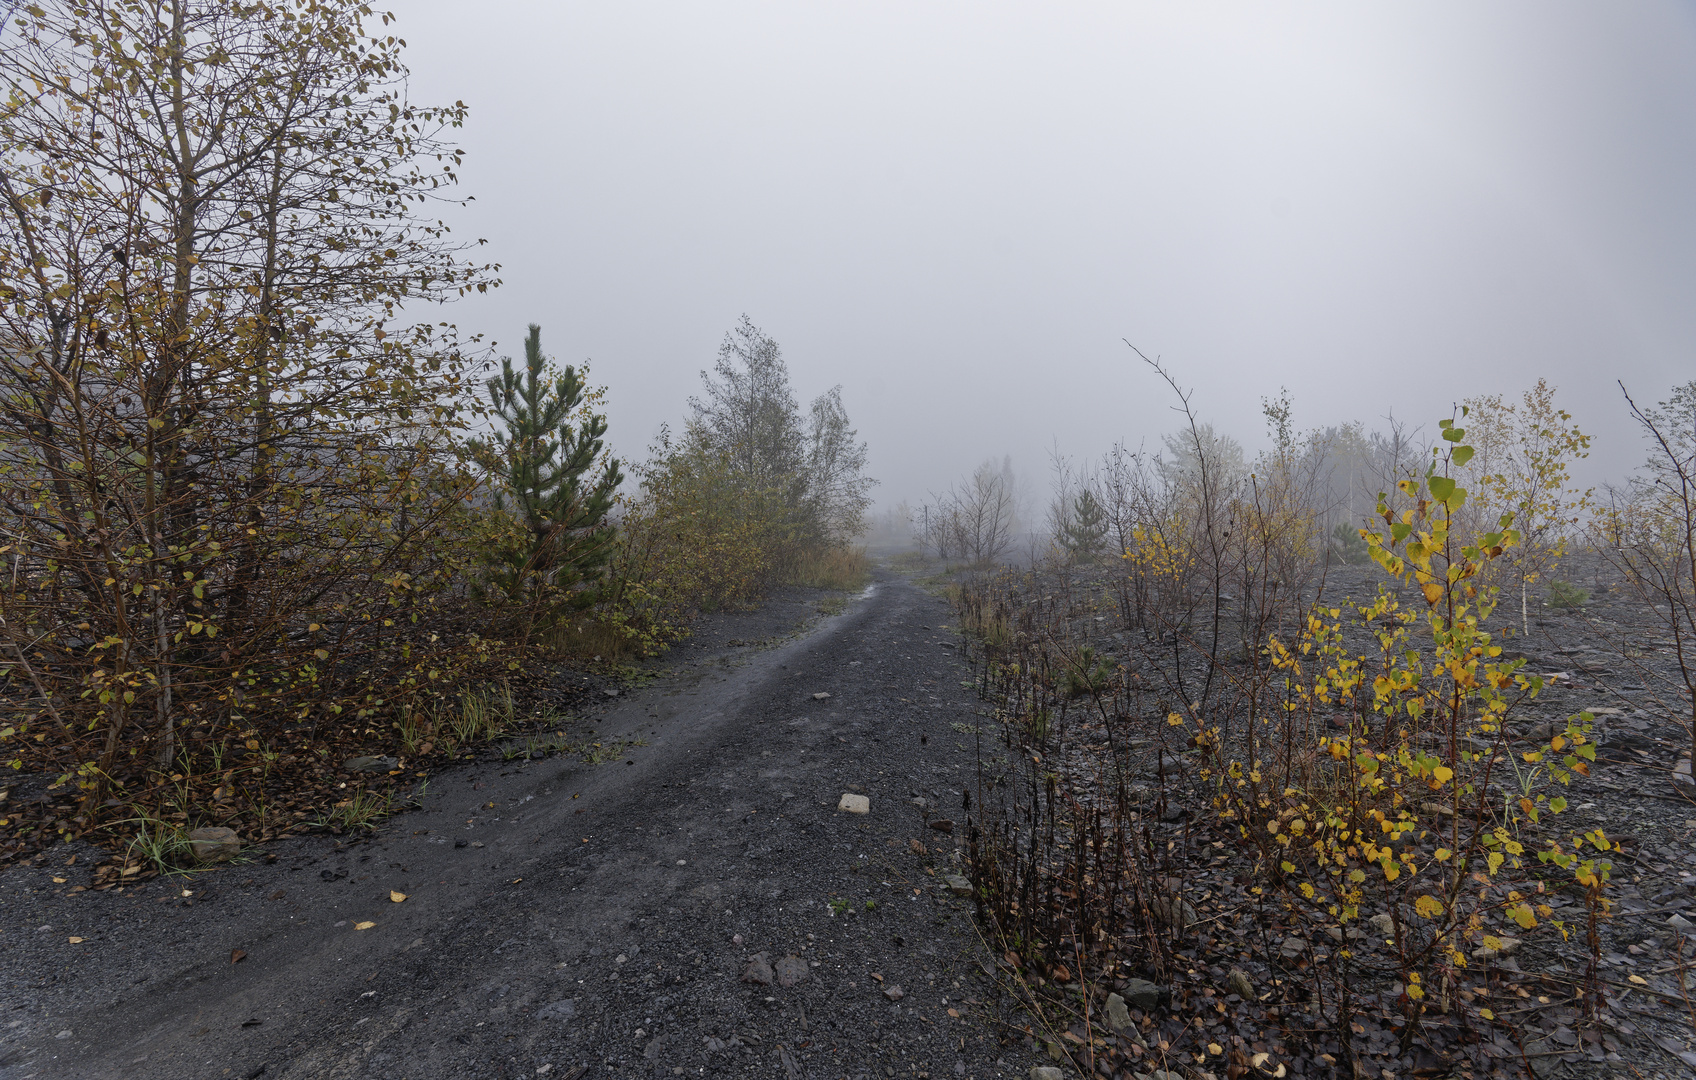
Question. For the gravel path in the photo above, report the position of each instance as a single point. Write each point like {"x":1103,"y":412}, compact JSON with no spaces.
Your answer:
{"x":564,"y":919}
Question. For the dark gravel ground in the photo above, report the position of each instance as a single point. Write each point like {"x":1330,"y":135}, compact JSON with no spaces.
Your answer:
{"x":567,"y":919}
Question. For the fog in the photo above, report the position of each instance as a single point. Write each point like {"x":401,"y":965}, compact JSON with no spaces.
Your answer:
{"x":961,"y":212}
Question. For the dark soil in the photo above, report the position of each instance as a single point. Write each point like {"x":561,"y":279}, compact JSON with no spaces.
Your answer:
{"x":562,"y":918}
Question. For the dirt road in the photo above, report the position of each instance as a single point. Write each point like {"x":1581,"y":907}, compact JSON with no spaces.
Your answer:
{"x":560,"y":915}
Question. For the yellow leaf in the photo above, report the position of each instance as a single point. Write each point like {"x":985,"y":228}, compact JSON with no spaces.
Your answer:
{"x":1443,"y":774}
{"x":1215,"y":1049}
{"x":363,"y":925}
{"x":58,"y":881}
{"x":397,"y":897}
{"x":1433,"y":592}
{"x":76,"y":941}
{"x":1486,"y":1014}
{"x":1443,"y":854}
{"x":1428,"y":906}
{"x":1638,"y":979}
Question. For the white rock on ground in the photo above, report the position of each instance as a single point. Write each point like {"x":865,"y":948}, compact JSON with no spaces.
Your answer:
{"x":854,"y":804}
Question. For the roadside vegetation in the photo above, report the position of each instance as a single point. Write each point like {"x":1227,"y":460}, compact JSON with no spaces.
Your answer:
{"x":273,"y":545}
{"x":1292,"y":751}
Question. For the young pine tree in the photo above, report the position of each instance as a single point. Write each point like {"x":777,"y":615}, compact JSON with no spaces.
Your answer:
{"x":1086,"y":532}
{"x":545,"y":462}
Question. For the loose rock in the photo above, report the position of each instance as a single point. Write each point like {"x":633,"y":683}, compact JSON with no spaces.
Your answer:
{"x":370,"y":764}
{"x":1118,"y":1017}
{"x":1046,"y":1072}
{"x":958,"y":884}
{"x":894,"y":993}
{"x":942,"y":825}
{"x":214,"y":844}
{"x":790,"y":970}
{"x":820,"y":696}
{"x":563,"y":1009}
{"x":758,"y":970}
{"x":1510,"y":945}
{"x":1240,"y":984}
{"x":854,"y":804}
{"x":1142,"y":994}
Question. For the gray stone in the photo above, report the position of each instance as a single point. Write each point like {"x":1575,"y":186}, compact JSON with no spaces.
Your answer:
{"x":1174,"y":911}
{"x":758,"y":970}
{"x":1118,"y":1017}
{"x":1681,"y":773}
{"x":611,"y":691}
{"x":1240,"y":984}
{"x":894,"y":993}
{"x":214,"y":844}
{"x":1679,"y":922}
{"x":1510,"y":945}
{"x":790,"y":970}
{"x":1383,"y":923}
{"x":1292,"y":947}
{"x":563,"y":1009}
{"x":1142,"y":994}
{"x":854,"y":804}
{"x":958,"y":885}
{"x":370,"y":764}
{"x":821,"y":696}
{"x":1046,"y":1072}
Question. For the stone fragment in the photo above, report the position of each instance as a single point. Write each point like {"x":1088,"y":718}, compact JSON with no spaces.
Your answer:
{"x":1510,"y":945}
{"x":942,"y":825}
{"x":894,"y":993}
{"x":370,"y":764}
{"x":1681,"y":773}
{"x":790,"y":970}
{"x":1383,"y":923}
{"x":957,"y":884}
{"x":758,"y":970}
{"x":1118,"y":1017}
{"x":214,"y":844}
{"x":1679,"y":922}
{"x":854,"y":804}
{"x":563,"y":1009}
{"x":821,"y":696}
{"x":1046,"y":1072}
{"x":1240,"y":984}
{"x":1142,"y":994}
{"x":1174,"y":911}
{"x":1292,"y":947}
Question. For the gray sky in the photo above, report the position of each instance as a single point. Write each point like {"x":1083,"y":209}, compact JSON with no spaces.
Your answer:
{"x":958,"y":210}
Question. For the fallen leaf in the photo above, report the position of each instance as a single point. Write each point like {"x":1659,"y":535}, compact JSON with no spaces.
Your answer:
{"x":955,"y":1013}
{"x":76,"y":941}
{"x":396,"y":897}
{"x":58,"y":881}
{"x":237,"y":956}
{"x":363,"y":925}
{"x":1638,"y":979}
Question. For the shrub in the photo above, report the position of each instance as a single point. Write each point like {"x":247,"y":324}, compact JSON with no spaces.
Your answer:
{"x":1566,"y":596}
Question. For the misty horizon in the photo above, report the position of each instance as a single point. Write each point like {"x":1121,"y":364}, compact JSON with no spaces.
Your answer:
{"x":963,"y":220}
